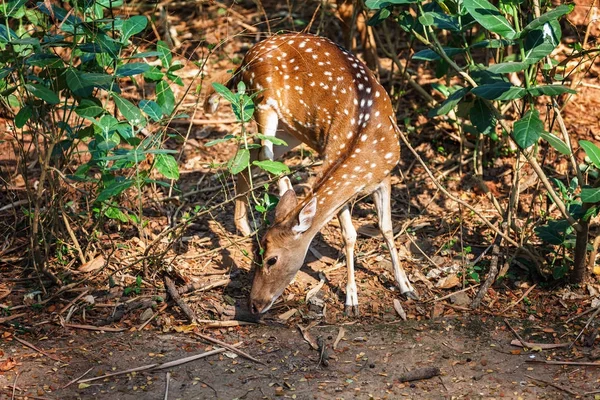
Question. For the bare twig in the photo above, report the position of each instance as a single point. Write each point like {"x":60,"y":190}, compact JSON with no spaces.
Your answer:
{"x":168,"y":379}
{"x":78,"y":378}
{"x":229,"y":347}
{"x":554,"y":385}
{"x":586,"y":325}
{"x":520,"y":299}
{"x":543,"y":346}
{"x":31,"y":346}
{"x":172,"y":289}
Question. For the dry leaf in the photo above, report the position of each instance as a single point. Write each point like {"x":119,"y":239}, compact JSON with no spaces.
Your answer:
{"x":7,"y":364}
{"x":448,"y":282}
{"x":287,"y":315}
{"x":92,"y":265}
{"x":399,"y":309}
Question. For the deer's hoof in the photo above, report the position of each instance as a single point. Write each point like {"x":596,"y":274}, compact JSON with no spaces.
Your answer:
{"x":351,"y":311}
{"x":413,"y":295}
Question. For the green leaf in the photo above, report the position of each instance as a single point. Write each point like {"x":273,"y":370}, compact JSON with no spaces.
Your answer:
{"x":152,"y":109}
{"x":133,"y":26}
{"x":492,"y":44}
{"x":88,"y":108}
{"x":114,"y":188}
{"x":499,"y":91}
{"x":116,"y":213}
{"x":507,"y":67}
{"x":449,"y":103}
{"x":430,"y":55}
{"x":558,"y":12}
{"x":131,"y":113}
{"x":380,"y":16}
{"x":482,"y":117}
{"x":541,"y":42}
{"x":153,"y":74}
{"x":490,"y":18}
{"x":225,"y":92}
{"x":553,"y":232}
{"x":240,"y":162}
{"x":440,"y":20}
{"x":591,"y":151}
{"x":528,"y":129}
{"x":167,"y":166}
{"x":275,"y":140}
{"x":23,"y":116}
{"x":10,"y":8}
{"x":550,"y":90}
{"x":273,"y":167}
{"x":165,"y":97}
{"x":42,"y":92}
{"x":377,"y":4}
{"x":557,"y":143}
{"x":165,"y":54}
{"x":131,"y":69}
{"x":221,"y":140}
{"x":590,"y":195}
{"x":44,"y":60}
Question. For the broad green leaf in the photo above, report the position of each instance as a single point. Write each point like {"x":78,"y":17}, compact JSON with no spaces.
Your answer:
{"x":10,"y":8}
{"x":507,"y":67}
{"x":167,"y":166}
{"x":23,"y":116}
{"x":273,"y":167}
{"x":165,"y":97}
{"x":225,"y":92}
{"x":482,"y":118}
{"x":441,"y":20}
{"x":244,"y":110}
{"x":490,"y":18}
{"x":541,"y":42}
{"x":152,"y":109}
{"x":430,"y":55}
{"x":77,"y":84}
{"x":492,"y":44}
{"x":380,"y":16}
{"x":107,"y":44}
{"x":115,"y":213}
{"x":7,"y":34}
{"x":449,"y":103}
{"x":591,"y":151}
{"x":528,"y":129}
{"x":43,"y":60}
{"x":144,"y":54}
{"x":154,"y":74}
{"x":131,"y":113}
{"x":221,"y":140}
{"x":240,"y":162}
{"x":558,"y":12}
{"x":165,"y":54}
{"x":88,"y":108}
{"x":42,"y":92}
{"x":499,"y":91}
{"x":553,"y":232}
{"x":590,"y":195}
{"x":131,"y":69}
{"x":557,"y":143}
{"x":275,"y":140}
{"x":377,"y":4}
{"x":550,"y":90}
{"x":133,"y":26}
{"x":114,"y":189}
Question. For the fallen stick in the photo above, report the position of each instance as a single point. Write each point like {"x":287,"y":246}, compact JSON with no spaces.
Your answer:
{"x":172,"y":289}
{"x":419,"y":374}
{"x":552,"y":362}
{"x":209,"y":323}
{"x":6,"y":319}
{"x":161,"y":309}
{"x":202,"y":287}
{"x":93,"y":328}
{"x":160,"y":366}
{"x":339,"y":337}
{"x":31,"y":346}
{"x":228,"y":346}
{"x":554,"y":385}
{"x":543,"y":346}
{"x":167,"y":385}
{"x":520,"y":299}
{"x":78,"y":378}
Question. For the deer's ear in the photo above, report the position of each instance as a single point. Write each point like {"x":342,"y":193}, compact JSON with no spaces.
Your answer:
{"x":286,"y":204}
{"x":306,"y":216}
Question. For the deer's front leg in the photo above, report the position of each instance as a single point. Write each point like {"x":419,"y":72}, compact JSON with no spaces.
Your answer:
{"x":349,"y":236}
{"x":381,"y":198}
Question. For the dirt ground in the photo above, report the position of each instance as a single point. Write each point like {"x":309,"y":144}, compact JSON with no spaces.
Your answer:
{"x":473,"y":354}
{"x":472,"y":350}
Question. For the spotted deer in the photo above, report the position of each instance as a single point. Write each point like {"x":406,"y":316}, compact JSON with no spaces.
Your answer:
{"x":310,"y":90}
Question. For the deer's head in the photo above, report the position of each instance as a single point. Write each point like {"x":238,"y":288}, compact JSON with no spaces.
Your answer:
{"x":284,"y":248}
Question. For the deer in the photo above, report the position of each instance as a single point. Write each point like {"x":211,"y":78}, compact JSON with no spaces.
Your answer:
{"x":312,"y":91}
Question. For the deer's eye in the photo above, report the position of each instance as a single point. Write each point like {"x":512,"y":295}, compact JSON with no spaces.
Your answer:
{"x":271,"y":261}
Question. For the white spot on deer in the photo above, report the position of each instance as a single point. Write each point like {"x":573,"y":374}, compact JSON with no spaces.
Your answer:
{"x":355,"y":101}
{"x":388,"y":155}
{"x":368,"y":90}
{"x":321,"y":63}
{"x":269,"y":79}
{"x":291,"y":60}
{"x":361,"y":86}
{"x":377,"y":113}
{"x":370,"y":102}
{"x":373,"y":165}
{"x":386,"y":171}
{"x":367,"y":116}
{"x":357,"y":169}
{"x":290,"y":42}
{"x":342,"y":145}
{"x":286,"y":77}
{"x":346,"y":111}
{"x":377,"y":94}
{"x":363,"y":138}
{"x":299,"y":88}
{"x":378,"y":125}
{"x":391,"y":127}
{"x":352,"y":121}
{"x":349,"y":135}
{"x":296,"y":68}
{"x":357,"y":150}
{"x":343,"y":90}
{"x":369,"y":176}
{"x":354,"y":65}
{"x":287,"y":87}
{"x":312,"y":83}
{"x":375,"y":141}
{"x":329,"y":192}
{"x":362,"y":102}
{"x":314,"y":56}
{"x":303,"y":44}
{"x":328,"y":73}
